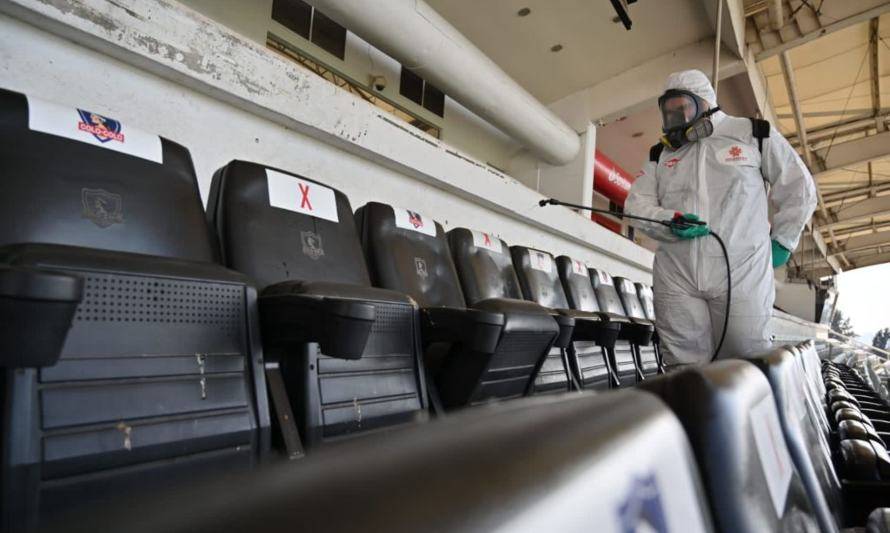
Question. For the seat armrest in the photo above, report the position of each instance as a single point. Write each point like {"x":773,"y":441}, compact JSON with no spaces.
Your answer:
{"x":878,"y":521}
{"x":593,"y":326}
{"x":566,"y":327}
{"x":475,"y":329}
{"x":36,"y":309}
{"x":339,"y":324}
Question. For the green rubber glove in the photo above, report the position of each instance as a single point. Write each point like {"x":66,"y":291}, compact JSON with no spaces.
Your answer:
{"x":781,"y":255}
{"x":685,"y":231}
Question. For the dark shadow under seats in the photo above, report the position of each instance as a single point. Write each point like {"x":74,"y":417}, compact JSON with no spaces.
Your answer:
{"x":616,"y":462}
{"x":730,"y":417}
{"x":489,"y":282}
{"x":541,"y":282}
{"x":634,"y":332}
{"x":157,"y":380}
{"x":347,"y":354}
{"x":650,"y":360}
{"x":486,"y":350}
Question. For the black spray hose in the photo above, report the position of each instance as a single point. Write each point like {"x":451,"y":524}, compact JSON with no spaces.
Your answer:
{"x":728,"y":294}
{"x":669,"y":224}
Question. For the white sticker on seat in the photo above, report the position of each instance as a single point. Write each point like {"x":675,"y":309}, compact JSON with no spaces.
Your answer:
{"x":301,"y":196}
{"x":605,"y":279}
{"x":579,"y":268}
{"x":92,"y":128}
{"x":487,"y":240}
{"x":540,"y":261}
{"x":774,"y":457}
{"x":414,"y":221}
{"x":628,"y":286}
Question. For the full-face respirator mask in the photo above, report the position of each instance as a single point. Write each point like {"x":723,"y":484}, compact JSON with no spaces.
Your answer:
{"x":685,"y":118}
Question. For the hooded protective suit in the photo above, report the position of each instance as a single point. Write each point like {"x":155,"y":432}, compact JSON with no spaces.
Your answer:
{"x":721,"y":179}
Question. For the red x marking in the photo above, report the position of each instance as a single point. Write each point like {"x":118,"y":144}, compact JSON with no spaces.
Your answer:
{"x":304,"y":202}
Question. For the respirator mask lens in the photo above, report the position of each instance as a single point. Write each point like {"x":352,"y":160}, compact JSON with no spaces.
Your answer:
{"x":678,"y":109}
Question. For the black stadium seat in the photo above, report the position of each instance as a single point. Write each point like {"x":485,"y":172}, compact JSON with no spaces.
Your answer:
{"x":158,"y":379}
{"x":808,"y":446}
{"x":472,"y":351}
{"x":650,"y":361}
{"x":541,"y":282}
{"x":489,"y":282}
{"x":729,"y":413}
{"x":634,"y":332}
{"x":595,"y":361}
{"x":348,"y":354}
{"x":615,"y":462}
{"x":647,"y":299}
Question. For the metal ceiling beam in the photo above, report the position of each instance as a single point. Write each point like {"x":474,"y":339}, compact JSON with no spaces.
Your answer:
{"x":874,"y":59}
{"x":870,"y":207}
{"x":837,"y":25}
{"x":837,"y":197}
{"x":776,"y":15}
{"x":875,"y":259}
{"x":840,"y":128}
{"x":855,"y":244}
{"x":861,"y":229}
{"x":835,"y":113}
{"x":791,"y":86}
{"x":854,"y":152}
{"x":794,"y":101}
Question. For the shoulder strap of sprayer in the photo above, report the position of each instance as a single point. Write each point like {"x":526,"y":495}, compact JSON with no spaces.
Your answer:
{"x":655,"y":152}
{"x":759,"y":129}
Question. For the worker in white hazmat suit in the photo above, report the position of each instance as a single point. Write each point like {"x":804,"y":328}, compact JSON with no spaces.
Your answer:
{"x":715,"y":168}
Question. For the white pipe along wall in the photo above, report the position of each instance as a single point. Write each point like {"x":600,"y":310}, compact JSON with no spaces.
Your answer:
{"x":418,"y":37}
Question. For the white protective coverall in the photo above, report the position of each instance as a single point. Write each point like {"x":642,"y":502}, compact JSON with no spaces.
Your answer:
{"x":720,"y":179}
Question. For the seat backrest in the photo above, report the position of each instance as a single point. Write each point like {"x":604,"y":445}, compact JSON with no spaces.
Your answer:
{"x":484,"y":265}
{"x":627,"y":292}
{"x":809,"y":448}
{"x":538,"y":277}
{"x":158,"y":379}
{"x":576,"y":284}
{"x":115,"y":188}
{"x":606,"y":294}
{"x":275,"y":226}
{"x":729,"y":414}
{"x":647,"y":298}
{"x":408,"y":252}
{"x":611,"y":463}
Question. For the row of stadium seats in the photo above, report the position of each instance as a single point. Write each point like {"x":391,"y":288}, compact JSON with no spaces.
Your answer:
{"x":733,"y":446}
{"x":143,"y":348}
{"x":145,"y":341}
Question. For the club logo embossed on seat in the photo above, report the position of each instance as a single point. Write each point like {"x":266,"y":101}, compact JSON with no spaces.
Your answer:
{"x":420,"y":266}
{"x":101,"y":207}
{"x":642,"y":509}
{"x":312,"y":246}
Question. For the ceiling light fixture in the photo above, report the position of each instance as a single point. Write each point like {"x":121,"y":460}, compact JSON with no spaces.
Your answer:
{"x":556,"y":48}
{"x":620,"y":7}
{"x":524,"y":12}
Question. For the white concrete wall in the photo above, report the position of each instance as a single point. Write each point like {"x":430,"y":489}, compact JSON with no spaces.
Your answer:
{"x":250,"y":18}
{"x":460,"y":127}
{"x":222,"y":115}
{"x":571,"y":183}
